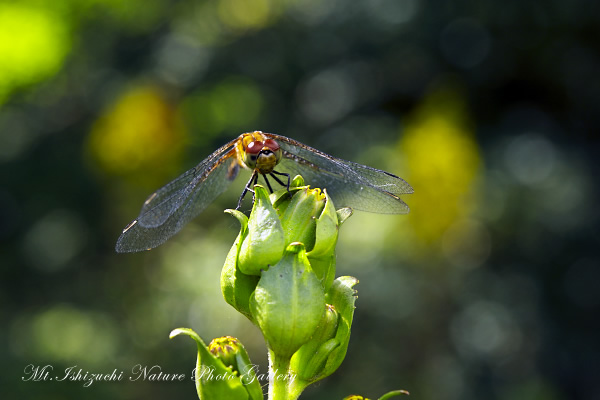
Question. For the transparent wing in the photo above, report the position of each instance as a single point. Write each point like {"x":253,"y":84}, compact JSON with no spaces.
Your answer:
{"x":349,"y":184}
{"x":167,"y":210}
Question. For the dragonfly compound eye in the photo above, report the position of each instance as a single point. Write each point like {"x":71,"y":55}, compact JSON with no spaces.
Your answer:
{"x":272,"y":145}
{"x":252,"y":152}
{"x":254,"y":147}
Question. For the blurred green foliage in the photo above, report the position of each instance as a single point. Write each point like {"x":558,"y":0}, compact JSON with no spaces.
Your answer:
{"x":490,"y":110}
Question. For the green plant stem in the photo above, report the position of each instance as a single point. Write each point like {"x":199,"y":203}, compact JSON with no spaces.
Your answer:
{"x":281,"y":385}
{"x":278,"y":388}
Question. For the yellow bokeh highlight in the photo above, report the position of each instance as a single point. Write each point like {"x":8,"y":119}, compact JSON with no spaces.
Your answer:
{"x":140,"y":136}
{"x":442,"y":161}
{"x":33,"y":45}
{"x":246,"y":14}
{"x":64,"y":333}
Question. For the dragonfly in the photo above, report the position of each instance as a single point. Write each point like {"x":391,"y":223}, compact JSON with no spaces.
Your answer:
{"x":349,"y":184}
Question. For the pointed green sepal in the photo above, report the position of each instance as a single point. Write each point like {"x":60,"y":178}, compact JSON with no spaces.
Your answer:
{"x":299,"y":217}
{"x":264,"y":243}
{"x":327,"y":226}
{"x":344,"y":214}
{"x":342,"y":297}
{"x":280,"y":199}
{"x":297,"y":181}
{"x":235,"y":285}
{"x":324,"y":269}
{"x":242,"y":219}
{"x":288,"y":302}
{"x":322,"y":255}
{"x":308,"y":362}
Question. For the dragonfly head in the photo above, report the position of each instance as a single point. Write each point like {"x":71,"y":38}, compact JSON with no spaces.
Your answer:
{"x":262,"y":155}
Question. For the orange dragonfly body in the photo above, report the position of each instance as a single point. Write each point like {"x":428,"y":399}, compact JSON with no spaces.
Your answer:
{"x":349,"y":184}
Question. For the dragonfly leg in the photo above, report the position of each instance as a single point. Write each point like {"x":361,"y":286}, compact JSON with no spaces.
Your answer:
{"x":273,"y":173}
{"x":268,"y":184}
{"x":251,"y":182}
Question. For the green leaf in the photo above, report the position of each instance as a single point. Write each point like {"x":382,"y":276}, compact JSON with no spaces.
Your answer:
{"x":393,"y":393}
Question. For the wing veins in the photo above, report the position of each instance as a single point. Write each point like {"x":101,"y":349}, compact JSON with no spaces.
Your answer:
{"x":164,"y":202}
{"x":354,"y":177}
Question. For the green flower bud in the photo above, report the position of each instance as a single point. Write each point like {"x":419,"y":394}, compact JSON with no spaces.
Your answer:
{"x":322,"y":255}
{"x":310,"y":217}
{"x":342,"y":297}
{"x":214,"y":379}
{"x":299,"y":218}
{"x":263,"y":243}
{"x":280,"y":274}
{"x":326,"y":230}
{"x":228,"y":349}
{"x":281,"y":198}
{"x":325,"y":351}
{"x":288,"y":302}
{"x":308,"y":362}
{"x":302,"y":214}
{"x":233,"y":354}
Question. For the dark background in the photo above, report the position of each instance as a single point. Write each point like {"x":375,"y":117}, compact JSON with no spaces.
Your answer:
{"x":488,"y":289}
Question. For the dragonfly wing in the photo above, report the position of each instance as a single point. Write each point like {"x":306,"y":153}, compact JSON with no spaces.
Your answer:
{"x":160,"y":205}
{"x":380,"y":179}
{"x":349,"y":184}
{"x":167,"y":210}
